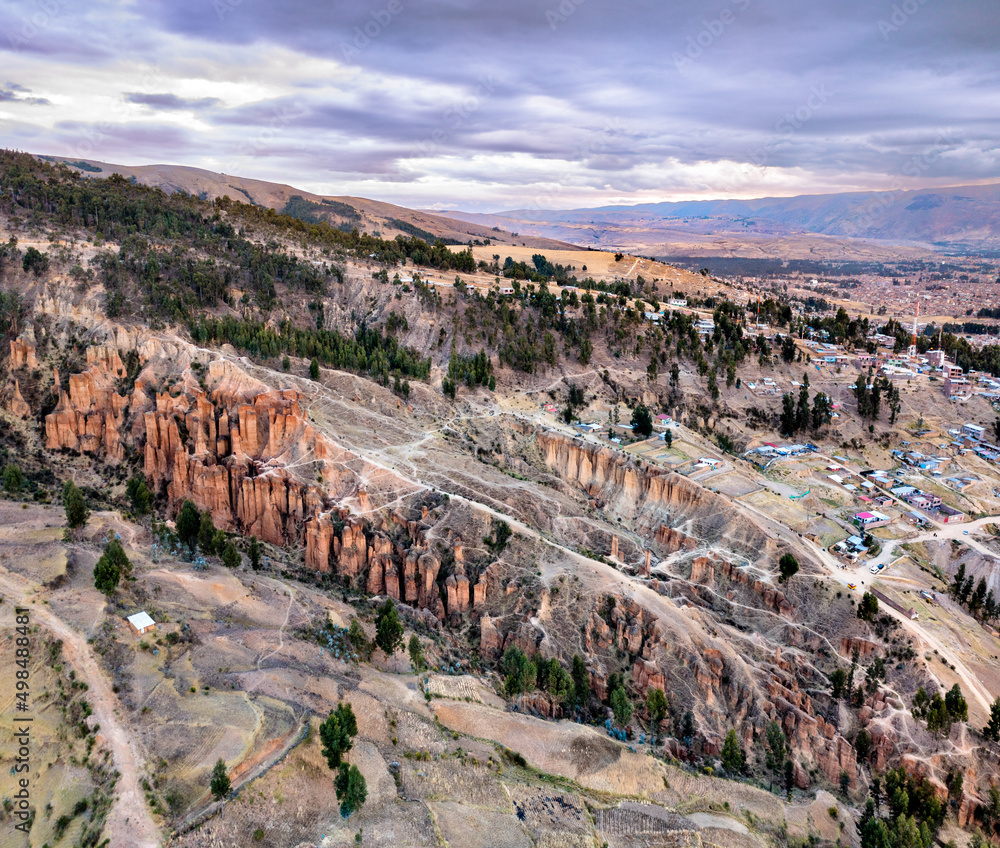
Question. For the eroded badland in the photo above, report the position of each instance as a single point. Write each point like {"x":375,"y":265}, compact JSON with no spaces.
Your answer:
{"x":356,"y":433}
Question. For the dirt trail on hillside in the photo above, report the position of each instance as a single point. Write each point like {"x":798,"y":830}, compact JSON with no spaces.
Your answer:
{"x":129,"y":823}
{"x":973,"y":686}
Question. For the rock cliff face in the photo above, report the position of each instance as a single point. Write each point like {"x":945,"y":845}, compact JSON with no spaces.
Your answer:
{"x":89,"y":417}
{"x":706,"y":569}
{"x":22,"y":354}
{"x":654,"y":498}
{"x":250,"y":454}
{"x":243,"y":451}
{"x":18,"y":405}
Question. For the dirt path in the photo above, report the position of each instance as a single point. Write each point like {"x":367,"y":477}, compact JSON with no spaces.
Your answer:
{"x":249,"y":770}
{"x":954,"y":658}
{"x":129,"y":823}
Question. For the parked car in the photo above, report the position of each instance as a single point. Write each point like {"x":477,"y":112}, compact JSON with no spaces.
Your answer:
{"x":874,"y":569}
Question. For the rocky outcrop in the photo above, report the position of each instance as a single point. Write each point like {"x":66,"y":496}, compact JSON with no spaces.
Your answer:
{"x":707,"y":569}
{"x":22,"y":354}
{"x":671,"y":541}
{"x":249,"y":455}
{"x":647,"y":675}
{"x":848,"y":644}
{"x":90,"y":416}
{"x":490,"y":638}
{"x":18,"y":406}
{"x":647,"y":493}
{"x":620,"y":623}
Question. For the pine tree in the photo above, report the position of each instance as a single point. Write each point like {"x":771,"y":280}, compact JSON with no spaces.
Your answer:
{"x":388,"y":628}
{"x":520,"y":673}
{"x":253,"y":553}
{"x":231,"y":556}
{"x":822,"y":410}
{"x":13,"y":479}
{"x":188,"y":524}
{"x":939,"y":720}
{"x":581,"y":682}
{"x":838,"y":679}
{"x":76,"y":508}
{"x":992,"y":729}
{"x":788,"y":567}
{"x":868,"y":608}
{"x":107,"y":574}
{"x":139,"y":496}
{"x":802,"y":413}
{"x":863,"y":396}
{"x":776,"y":745}
{"x":956,"y":704}
{"x":351,"y":789}
{"x":734,"y":758}
{"x":337,"y":734}
{"x":416,"y":653}
{"x":656,"y":706}
{"x":220,"y":781}
{"x":959,"y":581}
{"x":206,"y":534}
{"x":789,"y":419}
{"x":621,"y":706}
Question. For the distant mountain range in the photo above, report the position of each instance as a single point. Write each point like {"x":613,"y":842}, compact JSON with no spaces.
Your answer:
{"x":858,"y":225}
{"x":961,"y":219}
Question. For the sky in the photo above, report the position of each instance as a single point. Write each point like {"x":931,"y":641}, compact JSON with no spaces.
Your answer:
{"x":535,"y":104}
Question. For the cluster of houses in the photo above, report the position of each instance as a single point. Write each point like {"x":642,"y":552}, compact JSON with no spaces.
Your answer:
{"x":661,"y":423}
{"x":926,"y":502}
{"x":850,"y":549}
{"x":771,"y":450}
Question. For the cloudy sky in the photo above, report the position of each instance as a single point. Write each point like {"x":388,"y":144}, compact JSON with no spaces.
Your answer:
{"x":508,"y":104}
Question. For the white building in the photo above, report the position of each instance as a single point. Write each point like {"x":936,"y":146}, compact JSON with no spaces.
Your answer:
{"x":974,"y":431}
{"x":142,"y":622}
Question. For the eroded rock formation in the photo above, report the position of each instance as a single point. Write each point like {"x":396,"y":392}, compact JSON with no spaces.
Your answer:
{"x":249,"y":455}
{"x":653,"y":497}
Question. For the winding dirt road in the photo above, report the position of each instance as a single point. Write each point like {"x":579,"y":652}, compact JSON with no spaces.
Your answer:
{"x":857,"y":576}
{"x":129,"y":823}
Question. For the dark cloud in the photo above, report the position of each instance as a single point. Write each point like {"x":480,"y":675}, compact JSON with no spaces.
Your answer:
{"x":170,"y":101}
{"x":593,"y":93}
{"x":123,"y":143}
{"x":11,"y":92}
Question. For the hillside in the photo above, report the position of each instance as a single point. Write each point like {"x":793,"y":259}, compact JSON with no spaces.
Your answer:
{"x":284,"y":426}
{"x":369,"y":216}
{"x":861,"y":225}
